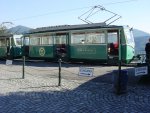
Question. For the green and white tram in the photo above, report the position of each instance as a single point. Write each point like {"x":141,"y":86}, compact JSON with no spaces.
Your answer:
{"x":10,"y":45}
{"x":87,"y":42}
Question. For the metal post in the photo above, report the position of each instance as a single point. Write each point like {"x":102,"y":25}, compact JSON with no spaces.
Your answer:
{"x":23,"y":69}
{"x":59,"y":81}
{"x":119,"y":65}
{"x":23,"y":58}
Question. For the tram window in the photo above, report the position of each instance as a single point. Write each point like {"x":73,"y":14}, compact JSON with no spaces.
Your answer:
{"x":77,"y":38}
{"x":60,"y":39}
{"x":88,"y":38}
{"x":113,"y":43}
{"x":12,"y":41}
{"x":7,"y":42}
{"x":35,"y":41}
{"x":112,"y":37}
{"x":18,"y":41}
{"x":47,"y":40}
{"x":2,"y":42}
{"x":26,"y":41}
{"x":95,"y":38}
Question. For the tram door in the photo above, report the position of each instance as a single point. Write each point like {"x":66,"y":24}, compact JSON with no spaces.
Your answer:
{"x":113,"y":45}
{"x":8,"y":44}
{"x":3,"y":47}
{"x":61,"y":44}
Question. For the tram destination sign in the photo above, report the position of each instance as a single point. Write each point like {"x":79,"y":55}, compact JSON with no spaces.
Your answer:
{"x":141,"y":71}
{"x":84,"y":71}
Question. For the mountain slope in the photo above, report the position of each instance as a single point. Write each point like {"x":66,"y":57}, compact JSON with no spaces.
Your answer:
{"x":19,"y":29}
{"x":141,"y":38}
{"x":139,"y":33}
{"x":140,"y":43}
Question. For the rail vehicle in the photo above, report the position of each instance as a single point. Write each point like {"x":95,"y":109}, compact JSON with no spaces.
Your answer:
{"x":95,"y":42}
{"x":10,"y":46}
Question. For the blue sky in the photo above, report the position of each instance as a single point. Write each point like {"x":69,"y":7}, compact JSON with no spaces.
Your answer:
{"x":40,"y":13}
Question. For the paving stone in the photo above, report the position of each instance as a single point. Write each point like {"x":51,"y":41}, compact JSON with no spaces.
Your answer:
{"x":39,"y":91}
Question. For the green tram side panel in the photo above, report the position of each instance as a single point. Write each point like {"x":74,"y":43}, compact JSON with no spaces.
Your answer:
{"x":3,"y":51}
{"x":91,"y":52}
{"x":16,"y":51}
{"x":41,"y":51}
{"x":127,"y":53}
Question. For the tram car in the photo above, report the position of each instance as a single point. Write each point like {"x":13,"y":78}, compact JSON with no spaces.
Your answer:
{"x":96,"y":42}
{"x":10,"y":46}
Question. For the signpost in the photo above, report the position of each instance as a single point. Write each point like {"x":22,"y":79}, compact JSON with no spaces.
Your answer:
{"x":59,"y":74}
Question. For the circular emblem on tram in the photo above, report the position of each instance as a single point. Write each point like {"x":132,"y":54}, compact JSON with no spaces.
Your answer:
{"x":42,"y":51}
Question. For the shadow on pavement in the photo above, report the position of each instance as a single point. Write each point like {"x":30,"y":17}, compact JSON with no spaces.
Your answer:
{"x":94,"y":96}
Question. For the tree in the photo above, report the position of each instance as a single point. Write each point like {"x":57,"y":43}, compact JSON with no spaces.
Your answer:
{"x":4,"y":27}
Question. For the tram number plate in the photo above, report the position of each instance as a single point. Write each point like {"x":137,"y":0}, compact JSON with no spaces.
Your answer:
{"x":84,"y":71}
{"x":141,"y":71}
{"x":8,"y":62}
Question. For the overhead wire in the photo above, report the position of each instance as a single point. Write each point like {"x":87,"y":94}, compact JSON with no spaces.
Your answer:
{"x":68,"y":10}
{"x":111,"y":3}
{"x":48,"y":13}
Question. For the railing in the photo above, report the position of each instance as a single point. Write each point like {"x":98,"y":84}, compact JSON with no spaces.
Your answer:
{"x":140,"y":57}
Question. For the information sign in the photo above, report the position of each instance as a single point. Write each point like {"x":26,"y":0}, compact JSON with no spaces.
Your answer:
{"x":84,"y":71}
{"x":141,"y":71}
{"x":8,"y":62}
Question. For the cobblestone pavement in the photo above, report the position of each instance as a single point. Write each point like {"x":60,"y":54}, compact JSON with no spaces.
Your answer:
{"x":38,"y":92}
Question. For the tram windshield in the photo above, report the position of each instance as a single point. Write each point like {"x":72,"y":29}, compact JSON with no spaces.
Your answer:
{"x":17,"y":40}
{"x":129,"y":37}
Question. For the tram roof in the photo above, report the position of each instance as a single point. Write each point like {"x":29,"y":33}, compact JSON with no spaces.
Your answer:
{"x":5,"y":35}
{"x":71,"y":27}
